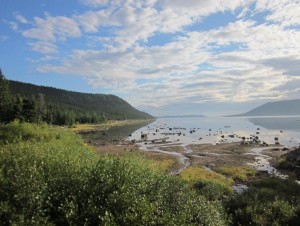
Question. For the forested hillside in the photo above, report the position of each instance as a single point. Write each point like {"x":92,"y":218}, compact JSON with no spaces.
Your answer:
{"x":28,"y":102}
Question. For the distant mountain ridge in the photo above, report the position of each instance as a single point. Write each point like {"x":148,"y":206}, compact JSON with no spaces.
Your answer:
{"x":111,"y":106}
{"x":278,"y":108}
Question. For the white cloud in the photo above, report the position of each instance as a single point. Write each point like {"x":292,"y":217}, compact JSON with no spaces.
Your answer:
{"x":47,"y":32}
{"x":43,"y":47}
{"x":53,"y":29}
{"x":3,"y":38}
{"x":14,"y":26}
{"x":239,"y":75}
{"x":284,"y":12}
{"x":136,"y":21}
{"x":241,"y":61}
{"x":21,"y":19}
{"x":95,"y":2}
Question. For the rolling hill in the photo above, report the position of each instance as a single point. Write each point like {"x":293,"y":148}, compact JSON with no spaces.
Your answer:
{"x":111,"y":106}
{"x":278,"y":108}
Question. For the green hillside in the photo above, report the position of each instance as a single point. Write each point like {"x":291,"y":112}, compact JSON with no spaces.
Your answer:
{"x":32,"y":103}
{"x":111,"y":106}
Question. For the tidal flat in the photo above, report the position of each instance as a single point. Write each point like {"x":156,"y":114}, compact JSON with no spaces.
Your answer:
{"x":178,"y":144}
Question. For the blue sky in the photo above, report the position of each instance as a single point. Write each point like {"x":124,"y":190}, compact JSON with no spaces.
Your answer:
{"x":162,"y":56}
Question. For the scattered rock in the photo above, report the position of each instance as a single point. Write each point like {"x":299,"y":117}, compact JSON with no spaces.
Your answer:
{"x":211,"y":165}
{"x":260,"y":172}
{"x":276,"y":149}
{"x":144,"y":136}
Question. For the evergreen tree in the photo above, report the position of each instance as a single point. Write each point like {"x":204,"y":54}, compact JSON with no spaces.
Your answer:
{"x":17,"y":109}
{"x":4,"y":98}
{"x":29,"y":112}
{"x":41,"y":107}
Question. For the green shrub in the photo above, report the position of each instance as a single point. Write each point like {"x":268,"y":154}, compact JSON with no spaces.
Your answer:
{"x":15,"y":132}
{"x":57,"y":180}
{"x":288,"y":188}
{"x":270,"y":201}
{"x":213,"y":190}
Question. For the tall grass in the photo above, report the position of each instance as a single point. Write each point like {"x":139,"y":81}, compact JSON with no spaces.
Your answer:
{"x":194,"y":174}
{"x":240,"y":173}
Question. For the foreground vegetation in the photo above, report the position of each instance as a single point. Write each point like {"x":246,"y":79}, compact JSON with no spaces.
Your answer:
{"x":48,"y":176}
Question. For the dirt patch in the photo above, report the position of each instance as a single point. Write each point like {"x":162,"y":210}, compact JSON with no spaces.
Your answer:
{"x":221,"y":149}
{"x":173,"y":148}
{"x":221,"y":160}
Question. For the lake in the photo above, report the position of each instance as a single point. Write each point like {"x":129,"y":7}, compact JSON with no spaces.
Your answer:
{"x":222,"y":130}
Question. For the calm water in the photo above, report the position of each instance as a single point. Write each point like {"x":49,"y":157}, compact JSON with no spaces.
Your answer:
{"x":114,"y":133}
{"x":217,"y":130}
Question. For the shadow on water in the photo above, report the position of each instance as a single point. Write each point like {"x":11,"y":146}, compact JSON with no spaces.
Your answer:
{"x":113,"y":133}
{"x":280,"y":123}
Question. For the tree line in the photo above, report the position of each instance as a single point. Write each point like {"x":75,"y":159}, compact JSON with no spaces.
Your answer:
{"x":30,"y":103}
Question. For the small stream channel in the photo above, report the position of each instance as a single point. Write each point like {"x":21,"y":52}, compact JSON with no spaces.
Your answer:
{"x":262,"y":162}
{"x":183,"y":160}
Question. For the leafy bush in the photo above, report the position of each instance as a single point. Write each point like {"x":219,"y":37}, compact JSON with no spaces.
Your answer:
{"x":270,"y":201}
{"x":213,"y":190}
{"x":50,"y":177}
{"x":16,"y":132}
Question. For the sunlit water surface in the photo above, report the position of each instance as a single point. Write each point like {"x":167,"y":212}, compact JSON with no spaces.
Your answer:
{"x":285,"y":130}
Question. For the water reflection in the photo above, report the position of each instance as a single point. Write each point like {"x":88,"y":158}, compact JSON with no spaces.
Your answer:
{"x":278,"y":123}
{"x":285,"y":131}
{"x":113,"y":133}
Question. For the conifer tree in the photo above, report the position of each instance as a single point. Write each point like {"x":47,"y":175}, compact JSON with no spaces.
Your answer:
{"x":4,"y":98}
{"x":17,"y":109}
{"x":30,"y":110}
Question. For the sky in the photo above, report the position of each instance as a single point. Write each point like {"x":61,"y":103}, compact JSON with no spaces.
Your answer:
{"x":165,"y":57}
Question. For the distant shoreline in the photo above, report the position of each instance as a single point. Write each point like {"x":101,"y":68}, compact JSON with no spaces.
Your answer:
{"x":261,"y":116}
{"x":181,"y":116}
